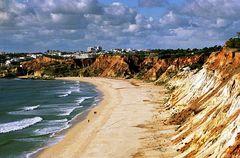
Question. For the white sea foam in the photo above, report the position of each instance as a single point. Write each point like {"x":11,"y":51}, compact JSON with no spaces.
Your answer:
{"x":51,"y":130}
{"x":70,"y":121}
{"x":67,"y":111}
{"x":29,"y":108}
{"x":18,"y":125}
{"x":52,"y":126}
{"x":35,"y":139}
{"x":75,"y":89}
{"x":80,"y":100}
{"x":40,"y":112}
{"x":63,"y":95}
{"x":66,"y":94}
{"x":69,"y":91}
{"x":57,"y":121}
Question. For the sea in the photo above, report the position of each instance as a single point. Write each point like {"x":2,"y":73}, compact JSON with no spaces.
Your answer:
{"x":35,"y":113}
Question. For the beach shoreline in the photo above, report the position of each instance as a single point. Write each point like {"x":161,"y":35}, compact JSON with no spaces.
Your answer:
{"x":113,"y":123}
{"x":60,"y":135}
{"x":85,"y":116}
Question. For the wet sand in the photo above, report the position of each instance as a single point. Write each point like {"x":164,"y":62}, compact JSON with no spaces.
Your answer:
{"x":119,"y":126}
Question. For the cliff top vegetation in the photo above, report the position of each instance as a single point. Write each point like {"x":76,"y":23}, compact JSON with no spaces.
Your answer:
{"x":234,"y":42}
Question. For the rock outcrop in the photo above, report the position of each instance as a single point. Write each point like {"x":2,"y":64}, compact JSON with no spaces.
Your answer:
{"x":149,"y":68}
{"x":50,"y":67}
{"x":109,"y":66}
{"x":205,"y":104}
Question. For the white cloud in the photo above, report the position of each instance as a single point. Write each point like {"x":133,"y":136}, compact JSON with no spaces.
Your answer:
{"x":3,"y":17}
{"x":132,"y":28}
{"x":56,"y":17}
{"x":221,"y":23}
{"x":76,"y":24}
{"x":182,"y":33}
{"x":168,"y":18}
{"x":212,"y":9}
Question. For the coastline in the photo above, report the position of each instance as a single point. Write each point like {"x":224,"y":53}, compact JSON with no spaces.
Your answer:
{"x":117,"y":120}
{"x":75,"y":120}
{"x":78,"y":124}
{"x":45,"y":118}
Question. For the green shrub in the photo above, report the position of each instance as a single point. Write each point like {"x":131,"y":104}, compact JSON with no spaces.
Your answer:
{"x":233,"y":43}
{"x":60,"y":70}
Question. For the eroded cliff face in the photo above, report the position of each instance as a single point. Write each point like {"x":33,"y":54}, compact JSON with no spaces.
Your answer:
{"x":149,"y":68}
{"x":108,"y":66}
{"x":46,"y":66}
{"x":205,"y":104}
{"x":113,"y":66}
{"x":161,"y":66}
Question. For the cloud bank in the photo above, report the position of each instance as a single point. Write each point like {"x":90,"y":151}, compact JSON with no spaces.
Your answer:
{"x":34,"y":25}
{"x":152,"y":3}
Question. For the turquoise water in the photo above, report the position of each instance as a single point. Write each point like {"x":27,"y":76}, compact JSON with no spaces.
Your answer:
{"x":33,"y":112}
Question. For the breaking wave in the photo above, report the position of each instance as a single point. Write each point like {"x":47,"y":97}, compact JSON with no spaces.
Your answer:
{"x":29,"y":108}
{"x":18,"y":125}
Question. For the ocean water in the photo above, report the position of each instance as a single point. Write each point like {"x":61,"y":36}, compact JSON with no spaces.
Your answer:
{"x":34,"y":112}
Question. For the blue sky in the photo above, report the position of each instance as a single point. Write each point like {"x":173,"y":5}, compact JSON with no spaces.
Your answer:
{"x":39,"y":25}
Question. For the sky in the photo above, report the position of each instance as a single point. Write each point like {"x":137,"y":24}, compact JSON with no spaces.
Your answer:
{"x":40,"y":25}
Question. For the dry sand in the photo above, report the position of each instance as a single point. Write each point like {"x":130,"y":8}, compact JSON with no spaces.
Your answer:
{"x":121,"y":126}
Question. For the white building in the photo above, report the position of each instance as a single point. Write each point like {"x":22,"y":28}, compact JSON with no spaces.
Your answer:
{"x":34,"y":55}
{"x":116,"y":50}
{"x":85,"y":56}
{"x":8,"y":62}
{"x":54,"y":52}
{"x":94,"y":49}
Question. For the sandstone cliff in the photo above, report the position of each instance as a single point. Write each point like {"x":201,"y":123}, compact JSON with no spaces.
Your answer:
{"x":50,"y":67}
{"x":205,"y":104}
{"x":149,"y":68}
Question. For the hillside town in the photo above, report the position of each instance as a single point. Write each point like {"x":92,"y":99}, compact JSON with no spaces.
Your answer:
{"x":12,"y":58}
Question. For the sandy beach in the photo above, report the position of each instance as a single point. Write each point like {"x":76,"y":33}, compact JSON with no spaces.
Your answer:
{"x":121,"y":126}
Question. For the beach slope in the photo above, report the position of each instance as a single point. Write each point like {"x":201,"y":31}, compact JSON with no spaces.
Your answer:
{"x":111,"y":129}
